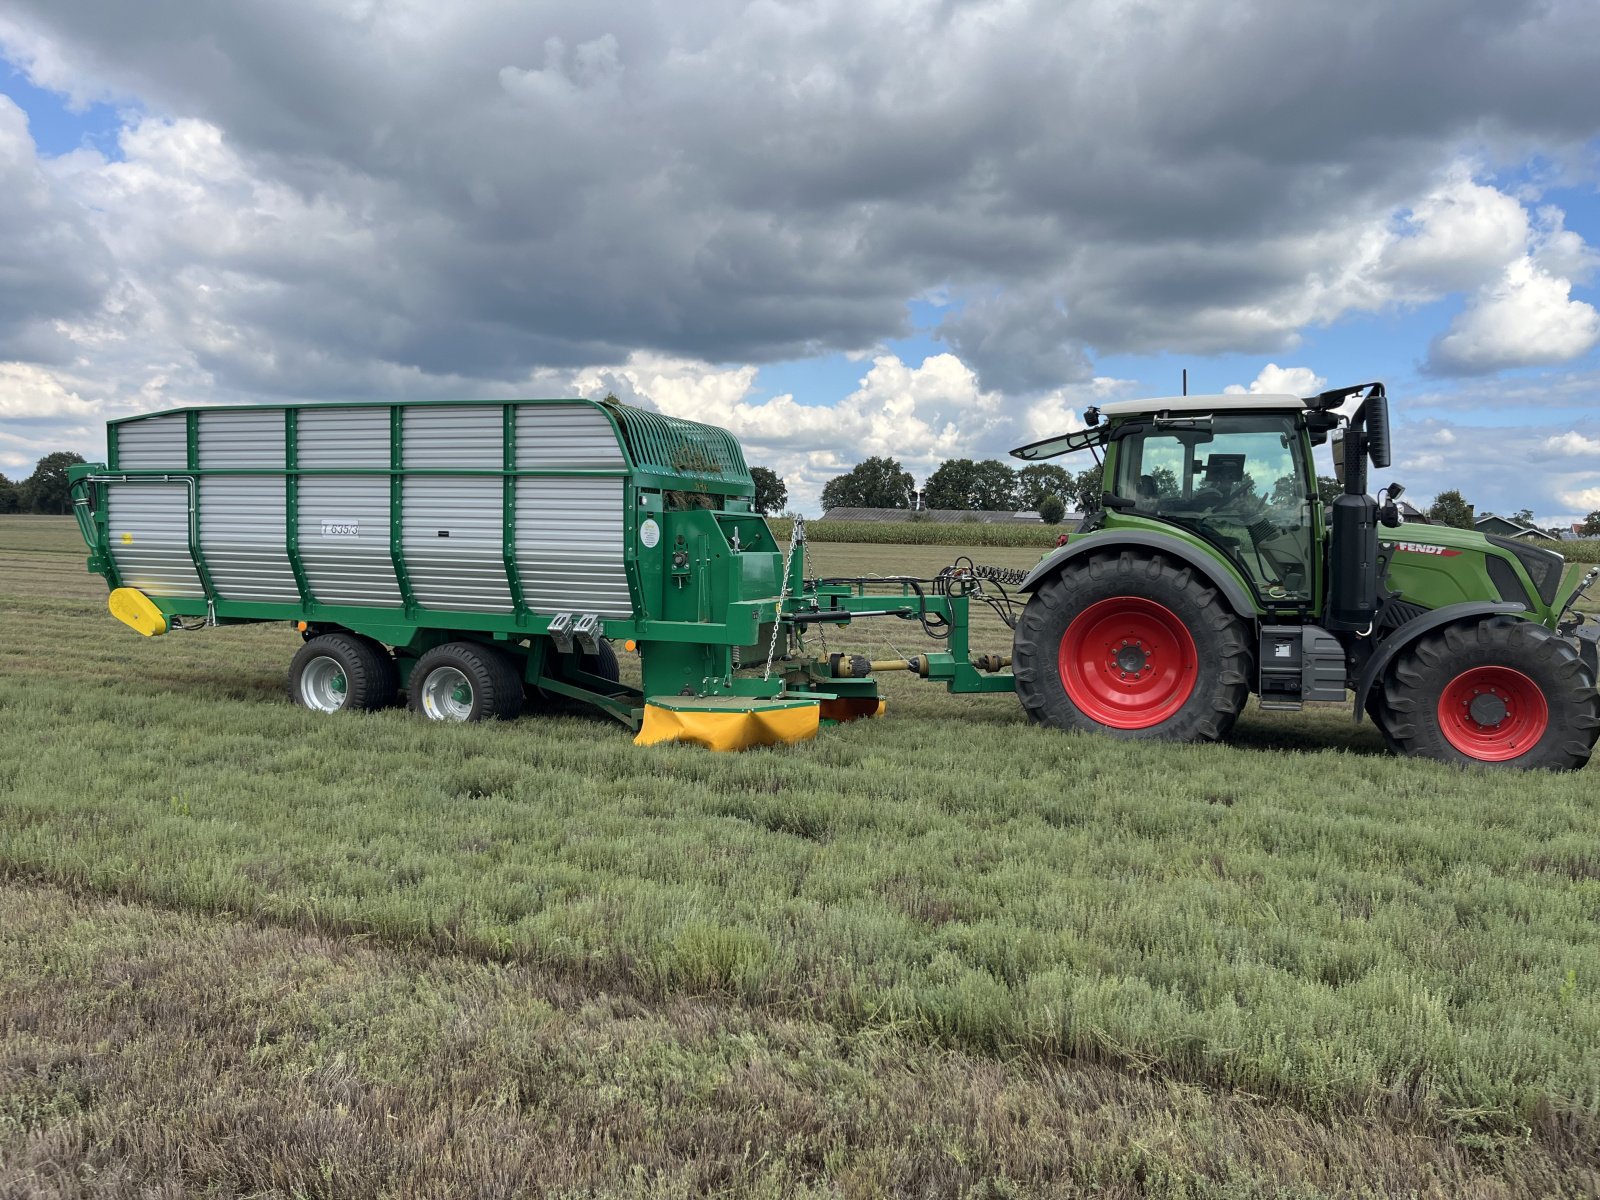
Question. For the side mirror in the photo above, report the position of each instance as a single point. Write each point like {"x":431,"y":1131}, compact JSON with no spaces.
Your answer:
{"x":1376,"y":411}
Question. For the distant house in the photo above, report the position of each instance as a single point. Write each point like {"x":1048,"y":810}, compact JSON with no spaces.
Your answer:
{"x":1508,"y":527}
{"x":1575,"y":533}
{"x":1412,"y":515}
{"x":941,"y":516}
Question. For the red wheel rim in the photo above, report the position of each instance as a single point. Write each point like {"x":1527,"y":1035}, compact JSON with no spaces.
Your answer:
{"x":1493,"y":713}
{"x":1128,"y":663}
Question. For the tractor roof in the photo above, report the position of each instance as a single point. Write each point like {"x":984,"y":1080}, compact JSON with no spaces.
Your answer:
{"x":1230,"y":402}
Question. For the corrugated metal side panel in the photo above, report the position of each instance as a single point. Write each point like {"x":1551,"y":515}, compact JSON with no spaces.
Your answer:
{"x":454,"y":437}
{"x":466,"y":570}
{"x":344,"y":540}
{"x":348,"y":438}
{"x":253,"y":438}
{"x":149,"y":528}
{"x":569,"y":546}
{"x":553,"y":436}
{"x":153,"y":444}
{"x":242,"y":537}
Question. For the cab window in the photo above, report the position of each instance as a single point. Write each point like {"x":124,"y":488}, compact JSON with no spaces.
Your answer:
{"x":1239,"y":481}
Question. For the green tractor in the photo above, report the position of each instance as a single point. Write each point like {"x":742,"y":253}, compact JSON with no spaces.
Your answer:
{"x":1214,"y":569}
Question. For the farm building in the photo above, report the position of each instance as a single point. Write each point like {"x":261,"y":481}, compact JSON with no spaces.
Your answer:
{"x":1509,"y":527}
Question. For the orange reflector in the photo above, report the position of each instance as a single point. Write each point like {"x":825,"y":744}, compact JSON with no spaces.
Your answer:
{"x":301,"y":626}
{"x":630,"y":645}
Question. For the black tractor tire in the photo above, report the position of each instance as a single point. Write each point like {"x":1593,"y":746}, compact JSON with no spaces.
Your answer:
{"x":1166,"y":602}
{"x":1432,"y":693}
{"x":465,"y":681}
{"x":336,"y":672}
{"x":1382,"y":719}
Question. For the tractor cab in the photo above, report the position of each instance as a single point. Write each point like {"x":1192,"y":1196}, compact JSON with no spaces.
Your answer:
{"x":1232,"y":472}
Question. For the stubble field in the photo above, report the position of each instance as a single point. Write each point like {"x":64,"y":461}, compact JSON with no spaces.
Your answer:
{"x":248,"y":950}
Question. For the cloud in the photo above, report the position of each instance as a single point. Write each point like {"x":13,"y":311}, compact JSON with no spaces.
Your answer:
{"x":27,"y":391}
{"x":1573,"y":443}
{"x":750,"y":182}
{"x":664,"y":198}
{"x":1274,"y":380}
{"x":1526,"y":318}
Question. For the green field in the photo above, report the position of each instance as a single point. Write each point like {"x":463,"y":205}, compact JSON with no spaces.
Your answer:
{"x":248,"y":950}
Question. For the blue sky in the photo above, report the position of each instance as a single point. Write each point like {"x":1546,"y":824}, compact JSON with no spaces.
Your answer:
{"x":878,"y":227}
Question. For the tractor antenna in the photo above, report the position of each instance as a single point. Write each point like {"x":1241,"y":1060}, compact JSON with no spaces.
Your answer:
{"x":1186,"y":381}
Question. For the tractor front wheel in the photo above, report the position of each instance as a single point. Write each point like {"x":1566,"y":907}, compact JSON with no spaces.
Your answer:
{"x":1133,"y":645}
{"x":1503,"y":692}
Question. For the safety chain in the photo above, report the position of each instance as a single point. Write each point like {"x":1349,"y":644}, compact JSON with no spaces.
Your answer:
{"x":797,"y":537}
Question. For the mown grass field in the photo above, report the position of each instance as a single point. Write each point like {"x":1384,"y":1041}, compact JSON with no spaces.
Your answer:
{"x":247,"y":950}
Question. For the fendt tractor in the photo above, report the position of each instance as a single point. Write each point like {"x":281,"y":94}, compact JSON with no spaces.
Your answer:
{"x":480,"y":558}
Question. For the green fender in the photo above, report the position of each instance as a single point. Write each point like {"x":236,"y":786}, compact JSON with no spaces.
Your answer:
{"x":1222,"y":578}
{"x":1415,"y":628}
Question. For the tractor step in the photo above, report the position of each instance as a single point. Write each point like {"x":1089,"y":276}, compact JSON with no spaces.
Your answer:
{"x":1280,"y":705}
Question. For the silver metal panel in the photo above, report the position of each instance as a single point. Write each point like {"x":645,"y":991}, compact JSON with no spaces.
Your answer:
{"x":251,"y":438}
{"x":466,"y":569}
{"x":351,"y":439}
{"x":153,"y":444}
{"x":344,"y":540}
{"x":454,"y":437}
{"x":576,"y":436}
{"x":149,"y":528}
{"x":569,"y":545}
{"x":242,"y":535}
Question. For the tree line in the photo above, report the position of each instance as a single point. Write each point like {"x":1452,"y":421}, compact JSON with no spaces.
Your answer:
{"x":965,"y":485}
{"x":45,"y":491}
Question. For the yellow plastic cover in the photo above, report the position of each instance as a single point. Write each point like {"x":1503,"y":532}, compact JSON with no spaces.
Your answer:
{"x":728,"y":728}
{"x":137,"y":611}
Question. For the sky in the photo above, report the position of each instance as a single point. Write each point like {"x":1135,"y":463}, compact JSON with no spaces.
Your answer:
{"x":839,"y":228}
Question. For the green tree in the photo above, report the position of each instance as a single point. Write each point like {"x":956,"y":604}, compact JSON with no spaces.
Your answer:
{"x":960,"y":483}
{"x":1328,"y":488}
{"x":10,"y":501}
{"x":996,"y":487}
{"x":1523,"y":516}
{"x":1090,"y":487}
{"x":45,"y":491}
{"x":1052,"y":509}
{"x":1591,"y":524}
{"x":876,"y":483}
{"x":1039,"y":480}
{"x":1448,"y":508}
{"x":952,"y":485}
{"x":771,"y":492}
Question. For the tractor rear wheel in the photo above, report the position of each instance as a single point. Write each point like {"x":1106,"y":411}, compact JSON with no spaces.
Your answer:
{"x":465,"y":681}
{"x":1134,"y":645}
{"x":1503,"y":692}
{"x":335,"y":671}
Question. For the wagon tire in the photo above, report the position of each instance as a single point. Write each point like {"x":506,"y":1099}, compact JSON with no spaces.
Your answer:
{"x":334,"y":672}
{"x":465,"y":681}
{"x":1134,"y":645}
{"x":1499,"y":692}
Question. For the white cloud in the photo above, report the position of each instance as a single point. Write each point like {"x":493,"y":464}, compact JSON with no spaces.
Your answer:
{"x":30,"y":391}
{"x":1281,"y":381}
{"x":1526,"y":318}
{"x":1573,"y":443}
{"x":1584,"y":500}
